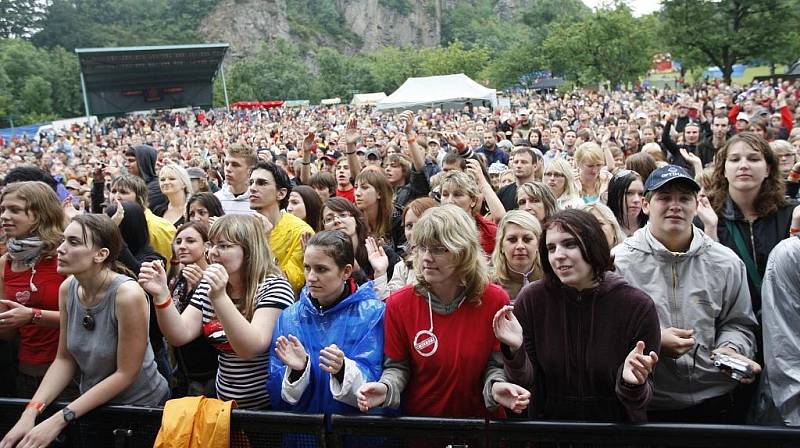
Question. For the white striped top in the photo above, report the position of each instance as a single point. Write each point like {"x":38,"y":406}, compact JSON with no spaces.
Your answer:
{"x":238,"y":379}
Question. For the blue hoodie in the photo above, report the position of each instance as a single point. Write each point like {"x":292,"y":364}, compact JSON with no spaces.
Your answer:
{"x":355,"y":325}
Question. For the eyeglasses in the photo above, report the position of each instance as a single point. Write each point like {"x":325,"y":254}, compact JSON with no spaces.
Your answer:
{"x":341,"y":216}
{"x":222,"y":247}
{"x":436,"y":251}
{"x":554,"y":174}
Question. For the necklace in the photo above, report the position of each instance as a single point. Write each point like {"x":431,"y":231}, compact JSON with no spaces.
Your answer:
{"x":524,"y":275}
{"x":88,"y":320}
{"x":425,"y":338}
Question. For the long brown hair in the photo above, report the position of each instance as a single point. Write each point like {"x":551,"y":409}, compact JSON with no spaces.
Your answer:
{"x":45,"y":208}
{"x":383,"y":222}
{"x":771,"y":194}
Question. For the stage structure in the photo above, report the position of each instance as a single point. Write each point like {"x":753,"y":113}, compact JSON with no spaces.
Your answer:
{"x":126,"y":79}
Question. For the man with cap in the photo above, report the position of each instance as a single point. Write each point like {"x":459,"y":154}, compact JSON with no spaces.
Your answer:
{"x":700,"y":290}
{"x":373,"y":158}
{"x":692,"y":143}
{"x":199,"y":179}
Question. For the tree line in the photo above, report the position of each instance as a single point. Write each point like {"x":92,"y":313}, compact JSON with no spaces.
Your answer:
{"x":39,"y":79}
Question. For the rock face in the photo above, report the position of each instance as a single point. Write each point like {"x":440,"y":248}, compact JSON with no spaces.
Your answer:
{"x":368,"y":24}
{"x":348,"y":25}
{"x":247,"y":24}
{"x":381,"y":25}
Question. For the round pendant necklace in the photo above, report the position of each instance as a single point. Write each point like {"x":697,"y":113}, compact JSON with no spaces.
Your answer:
{"x":425,"y":342}
{"x":88,"y":320}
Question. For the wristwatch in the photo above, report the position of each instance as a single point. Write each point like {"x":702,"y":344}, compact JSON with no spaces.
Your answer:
{"x":69,"y":415}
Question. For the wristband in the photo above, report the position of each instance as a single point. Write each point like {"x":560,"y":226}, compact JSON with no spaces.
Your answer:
{"x":38,"y":405}
{"x":349,"y":153}
{"x":306,"y":163}
{"x":461,"y":146}
{"x":794,"y":231}
{"x":37,"y":316}
{"x":166,"y":304}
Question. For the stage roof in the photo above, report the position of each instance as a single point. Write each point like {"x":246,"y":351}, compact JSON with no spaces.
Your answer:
{"x":151,"y":73}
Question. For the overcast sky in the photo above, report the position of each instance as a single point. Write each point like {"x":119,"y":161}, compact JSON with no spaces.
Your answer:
{"x":639,"y":7}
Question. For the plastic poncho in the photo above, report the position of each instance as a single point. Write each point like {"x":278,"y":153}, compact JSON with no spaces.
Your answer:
{"x":355,"y":325}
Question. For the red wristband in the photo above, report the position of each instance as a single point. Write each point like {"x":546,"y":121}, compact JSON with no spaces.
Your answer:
{"x":38,"y":405}
{"x":37,"y":316}
{"x":166,"y":304}
{"x":794,"y":231}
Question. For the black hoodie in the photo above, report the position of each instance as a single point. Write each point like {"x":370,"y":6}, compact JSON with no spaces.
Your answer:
{"x":146,"y":157}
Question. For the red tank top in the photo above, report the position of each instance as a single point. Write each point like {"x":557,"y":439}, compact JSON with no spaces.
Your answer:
{"x":38,"y":345}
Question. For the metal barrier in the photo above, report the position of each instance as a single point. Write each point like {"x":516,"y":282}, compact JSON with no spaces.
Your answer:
{"x":137,"y":427}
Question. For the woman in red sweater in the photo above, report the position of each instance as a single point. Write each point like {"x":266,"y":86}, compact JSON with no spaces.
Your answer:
{"x":441,"y":355}
{"x":33,"y":221}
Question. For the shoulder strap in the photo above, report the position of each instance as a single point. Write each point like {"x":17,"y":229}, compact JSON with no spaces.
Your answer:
{"x":738,"y":239}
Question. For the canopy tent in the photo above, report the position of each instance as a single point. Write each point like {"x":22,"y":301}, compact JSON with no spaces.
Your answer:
{"x":367,"y":99}
{"x":447,"y":92}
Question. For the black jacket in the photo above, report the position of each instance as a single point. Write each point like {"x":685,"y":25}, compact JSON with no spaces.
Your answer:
{"x":760,"y":237}
{"x":146,"y":157}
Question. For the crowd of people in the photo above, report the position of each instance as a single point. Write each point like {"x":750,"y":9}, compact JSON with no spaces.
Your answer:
{"x":626,"y":256}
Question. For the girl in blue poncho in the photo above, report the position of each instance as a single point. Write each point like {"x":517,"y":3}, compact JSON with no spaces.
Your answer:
{"x":330,"y":342}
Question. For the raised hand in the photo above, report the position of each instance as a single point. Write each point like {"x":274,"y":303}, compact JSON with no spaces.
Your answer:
{"x":217,"y":278}
{"x":371,"y":395}
{"x":507,"y":328}
{"x":707,"y":214}
{"x":331,"y":359}
{"x":119,"y":215}
{"x":638,"y":365}
{"x":193,"y":274}
{"x":70,"y":211}
{"x":153,"y":279}
{"x":308,"y":142}
{"x":675,"y":342}
{"x":406,"y":120}
{"x":511,"y":396}
{"x":377,"y":257}
{"x":351,"y":132}
{"x":291,"y":352}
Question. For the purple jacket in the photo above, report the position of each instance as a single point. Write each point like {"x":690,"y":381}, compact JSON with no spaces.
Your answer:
{"x":574,"y":347}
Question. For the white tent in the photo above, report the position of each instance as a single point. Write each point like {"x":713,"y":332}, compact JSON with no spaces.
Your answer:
{"x":448,"y":91}
{"x":367,"y":99}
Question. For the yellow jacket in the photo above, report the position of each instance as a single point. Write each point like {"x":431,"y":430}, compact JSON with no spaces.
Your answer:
{"x":195,"y":422}
{"x":284,"y":241}
{"x":161,"y":234}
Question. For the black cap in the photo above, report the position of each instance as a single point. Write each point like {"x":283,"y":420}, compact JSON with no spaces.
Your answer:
{"x":667,"y":174}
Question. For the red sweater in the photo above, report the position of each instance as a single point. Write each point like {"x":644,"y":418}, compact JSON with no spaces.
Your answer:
{"x":448,"y":383}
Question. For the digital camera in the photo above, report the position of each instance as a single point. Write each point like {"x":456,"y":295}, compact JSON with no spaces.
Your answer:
{"x":739,"y":369}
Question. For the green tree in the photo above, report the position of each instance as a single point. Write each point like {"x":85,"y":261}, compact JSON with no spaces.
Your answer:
{"x":727,"y":32}
{"x":507,"y":68}
{"x":610,"y":45}
{"x":273,"y":73}
{"x":454,"y":58}
{"x":475,"y":24}
{"x":19,"y":18}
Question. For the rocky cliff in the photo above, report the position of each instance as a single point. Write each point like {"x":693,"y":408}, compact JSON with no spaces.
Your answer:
{"x":349,"y":25}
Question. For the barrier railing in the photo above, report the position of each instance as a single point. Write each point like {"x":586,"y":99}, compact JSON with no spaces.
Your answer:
{"x":137,"y":427}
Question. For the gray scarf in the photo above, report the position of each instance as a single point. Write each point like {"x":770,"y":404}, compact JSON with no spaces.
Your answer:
{"x":26,"y":251}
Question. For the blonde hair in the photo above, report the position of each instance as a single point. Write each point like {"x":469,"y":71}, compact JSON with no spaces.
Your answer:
{"x":499,"y":261}
{"x":541,"y":192}
{"x":609,"y":218}
{"x":180,"y":173}
{"x":590,"y":152}
{"x":563,"y":167}
{"x":655,"y":151}
{"x":451,"y":227}
{"x":242,"y":151}
{"x":460,"y":180}
{"x":248,"y":232}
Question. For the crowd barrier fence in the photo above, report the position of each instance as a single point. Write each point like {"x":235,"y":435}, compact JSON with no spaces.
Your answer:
{"x":137,"y":427}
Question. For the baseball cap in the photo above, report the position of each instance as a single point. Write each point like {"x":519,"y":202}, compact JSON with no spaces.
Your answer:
{"x":373,"y":153}
{"x":743,"y":116}
{"x":667,"y":174}
{"x":497,"y":168}
{"x":196,"y":173}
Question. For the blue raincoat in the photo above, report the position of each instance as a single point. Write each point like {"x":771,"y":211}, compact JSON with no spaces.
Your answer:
{"x":355,"y":325}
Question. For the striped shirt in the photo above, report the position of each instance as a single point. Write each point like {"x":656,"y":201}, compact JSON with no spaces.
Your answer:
{"x":240,"y":379}
{"x":232,"y":204}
